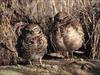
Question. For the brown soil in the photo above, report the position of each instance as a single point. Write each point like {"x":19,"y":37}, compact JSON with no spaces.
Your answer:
{"x":55,"y":67}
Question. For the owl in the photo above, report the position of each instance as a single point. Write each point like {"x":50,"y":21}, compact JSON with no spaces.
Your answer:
{"x":66,"y":34}
{"x":32,"y":43}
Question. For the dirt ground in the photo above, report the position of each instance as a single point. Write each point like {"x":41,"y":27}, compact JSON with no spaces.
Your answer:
{"x":55,"y":67}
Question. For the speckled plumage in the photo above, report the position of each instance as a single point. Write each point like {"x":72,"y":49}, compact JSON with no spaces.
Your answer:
{"x":33,"y":43}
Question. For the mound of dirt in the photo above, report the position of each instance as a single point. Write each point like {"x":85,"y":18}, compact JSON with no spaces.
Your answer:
{"x":55,"y":67}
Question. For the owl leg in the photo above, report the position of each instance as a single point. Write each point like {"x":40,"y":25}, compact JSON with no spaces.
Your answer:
{"x":30,"y":62}
{"x":72,"y":54}
{"x":41,"y":62}
{"x":67,"y":53}
{"x":72,"y":57}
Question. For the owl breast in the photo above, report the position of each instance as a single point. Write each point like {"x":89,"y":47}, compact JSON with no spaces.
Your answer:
{"x":72,"y":39}
{"x":33,"y":42}
{"x":67,"y":34}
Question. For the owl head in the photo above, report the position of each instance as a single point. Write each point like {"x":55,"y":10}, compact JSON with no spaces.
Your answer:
{"x":33,"y":29}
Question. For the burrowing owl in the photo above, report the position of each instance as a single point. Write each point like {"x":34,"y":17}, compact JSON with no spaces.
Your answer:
{"x":66,"y":34}
{"x":32,"y":43}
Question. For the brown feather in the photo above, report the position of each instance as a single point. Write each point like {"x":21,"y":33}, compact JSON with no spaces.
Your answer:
{"x":33,"y":42}
{"x":67,"y":33}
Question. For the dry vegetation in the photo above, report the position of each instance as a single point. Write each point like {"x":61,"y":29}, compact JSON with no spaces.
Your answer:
{"x":42,"y":12}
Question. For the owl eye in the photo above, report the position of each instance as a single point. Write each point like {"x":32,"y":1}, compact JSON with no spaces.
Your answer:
{"x":31,"y":32}
{"x":40,"y":31}
{"x":27,"y":30}
{"x":36,"y":29}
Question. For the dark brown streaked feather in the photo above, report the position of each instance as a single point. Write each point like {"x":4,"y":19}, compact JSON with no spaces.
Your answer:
{"x":33,"y":43}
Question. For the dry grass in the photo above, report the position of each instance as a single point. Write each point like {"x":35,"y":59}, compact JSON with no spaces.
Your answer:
{"x":40,"y":11}
{"x":87,"y":11}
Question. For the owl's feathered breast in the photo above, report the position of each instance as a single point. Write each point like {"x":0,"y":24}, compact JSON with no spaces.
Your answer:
{"x":68,"y":35}
{"x":34,"y":42}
